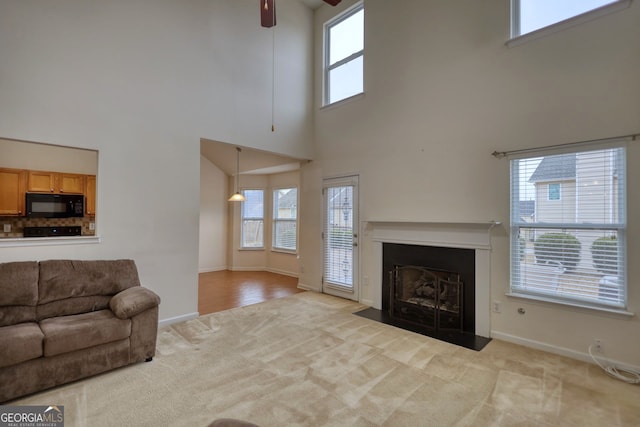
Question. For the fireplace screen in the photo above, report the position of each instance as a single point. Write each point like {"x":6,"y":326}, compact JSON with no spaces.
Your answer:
{"x":427,"y":297}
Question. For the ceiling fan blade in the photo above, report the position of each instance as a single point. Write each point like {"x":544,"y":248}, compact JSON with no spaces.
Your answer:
{"x":332,"y":2}
{"x":267,"y":13}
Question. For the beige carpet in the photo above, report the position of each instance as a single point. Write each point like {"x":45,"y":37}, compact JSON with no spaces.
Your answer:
{"x":305,"y":360}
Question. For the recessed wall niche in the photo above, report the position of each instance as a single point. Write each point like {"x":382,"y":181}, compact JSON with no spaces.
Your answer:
{"x":22,"y":162}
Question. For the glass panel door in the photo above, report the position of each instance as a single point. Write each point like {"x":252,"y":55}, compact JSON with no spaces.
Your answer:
{"x":340,"y":237}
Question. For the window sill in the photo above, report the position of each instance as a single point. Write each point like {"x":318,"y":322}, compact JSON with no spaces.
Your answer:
{"x":348,"y":100}
{"x":568,"y":23}
{"x":49,"y":241}
{"x":284,"y":251}
{"x":615,"y":311}
{"x":251,"y":249}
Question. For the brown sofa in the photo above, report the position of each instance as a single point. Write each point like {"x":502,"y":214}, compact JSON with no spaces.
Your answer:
{"x":63,"y":320}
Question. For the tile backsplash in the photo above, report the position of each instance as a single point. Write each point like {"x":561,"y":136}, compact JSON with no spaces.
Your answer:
{"x":18,"y":223}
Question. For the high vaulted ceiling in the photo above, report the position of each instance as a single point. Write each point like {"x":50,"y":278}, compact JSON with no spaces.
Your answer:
{"x":252,"y":161}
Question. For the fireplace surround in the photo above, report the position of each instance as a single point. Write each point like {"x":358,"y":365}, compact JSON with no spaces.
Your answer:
{"x":473,"y":236}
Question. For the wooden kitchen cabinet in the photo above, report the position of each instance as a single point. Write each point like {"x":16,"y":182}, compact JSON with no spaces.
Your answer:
{"x":12,"y":188}
{"x":90,"y":195}
{"x":41,"y":182}
{"x":55,"y":182}
{"x":71,"y":183}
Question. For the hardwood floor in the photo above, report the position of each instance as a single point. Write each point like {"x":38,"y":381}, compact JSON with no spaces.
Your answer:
{"x":222,"y":290}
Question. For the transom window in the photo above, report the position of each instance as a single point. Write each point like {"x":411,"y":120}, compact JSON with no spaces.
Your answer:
{"x":531,"y":15}
{"x":344,"y":51}
{"x":285,"y":219}
{"x":252,"y":232}
{"x":570,"y":249}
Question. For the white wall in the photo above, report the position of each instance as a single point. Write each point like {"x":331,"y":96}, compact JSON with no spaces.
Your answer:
{"x":44,"y":157}
{"x":142,"y":81}
{"x":213,"y":217}
{"x":442,"y":92}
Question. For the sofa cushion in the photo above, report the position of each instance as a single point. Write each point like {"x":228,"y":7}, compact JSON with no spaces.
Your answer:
{"x":70,"y":333}
{"x":133,"y":301}
{"x":68,"y":306}
{"x":20,"y":343}
{"x":62,"y":279}
{"x":18,"y":292}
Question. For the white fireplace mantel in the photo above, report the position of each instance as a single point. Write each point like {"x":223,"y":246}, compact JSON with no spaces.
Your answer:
{"x":467,"y":235}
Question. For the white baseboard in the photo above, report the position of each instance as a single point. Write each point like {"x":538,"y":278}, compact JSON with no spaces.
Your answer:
{"x":283,"y":272}
{"x":307,"y":287}
{"x":367,"y":302}
{"x":211,"y":269}
{"x":246,"y":268}
{"x":178,"y":319}
{"x":583,"y":356}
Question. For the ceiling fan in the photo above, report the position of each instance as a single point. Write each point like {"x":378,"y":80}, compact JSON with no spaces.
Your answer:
{"x":268,"y":11}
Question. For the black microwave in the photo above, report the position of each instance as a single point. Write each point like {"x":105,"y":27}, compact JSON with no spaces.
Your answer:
{"x":54,"y":205}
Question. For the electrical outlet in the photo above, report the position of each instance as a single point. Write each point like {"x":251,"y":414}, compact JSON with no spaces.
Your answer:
{"x":7,"y":228}
{"x":92,"y":226}
{"x":496,"y":306}
{"x":597,"y":345}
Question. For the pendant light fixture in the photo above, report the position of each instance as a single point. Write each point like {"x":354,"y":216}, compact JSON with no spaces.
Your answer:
{"x":237,"y":196}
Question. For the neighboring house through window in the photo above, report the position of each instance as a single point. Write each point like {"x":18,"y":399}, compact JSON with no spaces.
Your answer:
{"x":573,"y":248}
{"x":343,"y":55}
{"x":252,"y":232}
{"x":285,"y":219}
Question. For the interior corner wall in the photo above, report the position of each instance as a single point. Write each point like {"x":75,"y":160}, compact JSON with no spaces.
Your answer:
{"x":213,"y":217}
{"x":442,"y":92}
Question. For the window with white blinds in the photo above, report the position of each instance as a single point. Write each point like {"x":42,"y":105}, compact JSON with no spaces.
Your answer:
{"x":252,"y":233}
{"x":339,"y":237}
{"x":285,"y":219}
{"x":568,"y":227}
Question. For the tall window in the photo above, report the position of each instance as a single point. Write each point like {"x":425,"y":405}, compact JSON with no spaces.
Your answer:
{"x":344,"y":50}
{"x":531,"y":15}
{"x":285,"y":219}
{"x":572,"y":248}
{"x":252,"y":233}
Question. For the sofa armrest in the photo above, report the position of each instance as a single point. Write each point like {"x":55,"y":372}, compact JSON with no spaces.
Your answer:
{"x":133,"y":301}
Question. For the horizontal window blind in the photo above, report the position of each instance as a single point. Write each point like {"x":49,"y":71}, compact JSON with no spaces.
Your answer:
{"x":285,"y":218}
{"x":339,"y":236}
{"x":252,"y":233}
{"x":568,"y":227}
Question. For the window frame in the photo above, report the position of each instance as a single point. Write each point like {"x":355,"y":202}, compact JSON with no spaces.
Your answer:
{"x":516,"y":38}
{"x":617,"y":228}
{"x":275,"y":220}
{"x":243,"y":219}
{"x":559,"y":187}
{"x":327,"y":66}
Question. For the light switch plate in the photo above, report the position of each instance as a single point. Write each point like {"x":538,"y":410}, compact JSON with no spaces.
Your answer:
{"x":7,"y":228}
